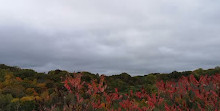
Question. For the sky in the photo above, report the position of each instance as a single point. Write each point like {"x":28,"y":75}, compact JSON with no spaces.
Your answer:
{"x":110,"y":36}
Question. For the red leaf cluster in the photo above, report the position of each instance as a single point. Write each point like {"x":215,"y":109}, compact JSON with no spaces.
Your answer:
{"x":188,"y":93}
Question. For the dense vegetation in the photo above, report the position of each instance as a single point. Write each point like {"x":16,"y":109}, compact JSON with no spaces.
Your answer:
{"x":25,"y":89}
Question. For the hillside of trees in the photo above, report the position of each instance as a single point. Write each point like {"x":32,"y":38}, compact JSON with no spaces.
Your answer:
{"x":27,"y":90}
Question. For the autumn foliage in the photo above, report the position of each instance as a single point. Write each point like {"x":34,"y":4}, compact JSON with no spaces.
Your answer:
{"x":188,"y":93}
{"x":59,"y":90}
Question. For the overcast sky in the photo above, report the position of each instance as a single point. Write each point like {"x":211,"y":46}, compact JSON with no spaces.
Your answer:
{"x":110,"y":36}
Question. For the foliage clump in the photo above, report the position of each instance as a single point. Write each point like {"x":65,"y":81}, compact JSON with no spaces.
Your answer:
{"x":25,"y":89}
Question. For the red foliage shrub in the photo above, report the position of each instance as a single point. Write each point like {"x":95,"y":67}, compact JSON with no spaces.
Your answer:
{"x":186,"y":94}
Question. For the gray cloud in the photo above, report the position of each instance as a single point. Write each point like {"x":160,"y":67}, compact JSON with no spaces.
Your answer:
{"x":110,"y":37}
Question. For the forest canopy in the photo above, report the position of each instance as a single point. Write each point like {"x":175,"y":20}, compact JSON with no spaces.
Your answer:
{"x":27,"y":89}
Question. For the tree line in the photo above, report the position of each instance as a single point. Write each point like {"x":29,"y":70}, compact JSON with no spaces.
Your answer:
{"x":26,"y":89}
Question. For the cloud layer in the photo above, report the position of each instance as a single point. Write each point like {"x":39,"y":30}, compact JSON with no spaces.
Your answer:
{"x":110,"y":37}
